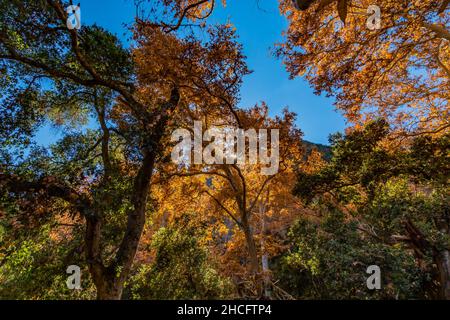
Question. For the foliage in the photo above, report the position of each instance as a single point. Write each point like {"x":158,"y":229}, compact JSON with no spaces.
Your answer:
{"x":400,"y":72}
{"x":329,"y":258}
{"x":105,"y":196}
{"x":395,"y":197}
{"x":182,"y":269}
{"x":34,"y":268}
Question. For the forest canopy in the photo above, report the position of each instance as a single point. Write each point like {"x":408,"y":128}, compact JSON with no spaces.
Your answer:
{"x":108,"y":198}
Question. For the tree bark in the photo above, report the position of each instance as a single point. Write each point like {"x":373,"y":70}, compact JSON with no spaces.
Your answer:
{"x":442,"y":260}
{"x":264,"y":257}
{"x":110,"y":280}
{"x":251,"y":247}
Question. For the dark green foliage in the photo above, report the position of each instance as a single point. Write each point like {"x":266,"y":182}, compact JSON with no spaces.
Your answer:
{"x":329,"y":259}
{"x":182,"y":269}
{"x":34,"y":264}
{"x":399,"y":199}
{"x":359,"y":159}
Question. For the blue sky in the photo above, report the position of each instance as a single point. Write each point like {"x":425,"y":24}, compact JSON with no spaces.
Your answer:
{"x":259,"y":26}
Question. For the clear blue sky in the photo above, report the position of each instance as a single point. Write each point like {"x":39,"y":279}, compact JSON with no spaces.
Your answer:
{"x":259,"y":26}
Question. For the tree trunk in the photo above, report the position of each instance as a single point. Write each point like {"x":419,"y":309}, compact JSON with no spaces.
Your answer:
{"x":109,"y":289}
{"x":264,"y":257}
{"x":110,"y":280}
{"x":251,"y":247}
{"x":253,"y":255}
{"x":442,"y":260}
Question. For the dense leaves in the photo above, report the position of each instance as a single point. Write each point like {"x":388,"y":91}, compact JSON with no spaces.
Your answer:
{"x":107,"y":197}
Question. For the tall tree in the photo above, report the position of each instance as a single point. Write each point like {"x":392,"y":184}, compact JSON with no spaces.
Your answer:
{"x":399,"y":71}
{"x":62,"y":68}
{"x":399,"y":196}
{"x":240,"y":193}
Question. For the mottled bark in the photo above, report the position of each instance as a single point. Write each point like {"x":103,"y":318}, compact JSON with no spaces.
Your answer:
{"x":251,"y":247}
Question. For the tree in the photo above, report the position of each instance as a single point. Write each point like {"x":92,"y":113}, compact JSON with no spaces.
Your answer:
{"x":399,"y":72}
{"x":258,"y":205}
{"x":91,"y":72}
{"x":182,"y":267}
{"x":108,"y":197}
{"x":400,"y":196}
{"x":329,"y":255}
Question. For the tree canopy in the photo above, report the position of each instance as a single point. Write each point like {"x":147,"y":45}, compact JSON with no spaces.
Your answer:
{"x":108,"y":197}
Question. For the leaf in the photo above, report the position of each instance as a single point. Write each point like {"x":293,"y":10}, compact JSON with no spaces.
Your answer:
{"x":443,"y":6}
{"x":342,"y":10}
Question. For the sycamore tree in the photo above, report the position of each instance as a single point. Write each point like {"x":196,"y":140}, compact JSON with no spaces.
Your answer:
{"x":107,"y":194}
{"x":100,"y":175}
{"x":245,"y":208}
